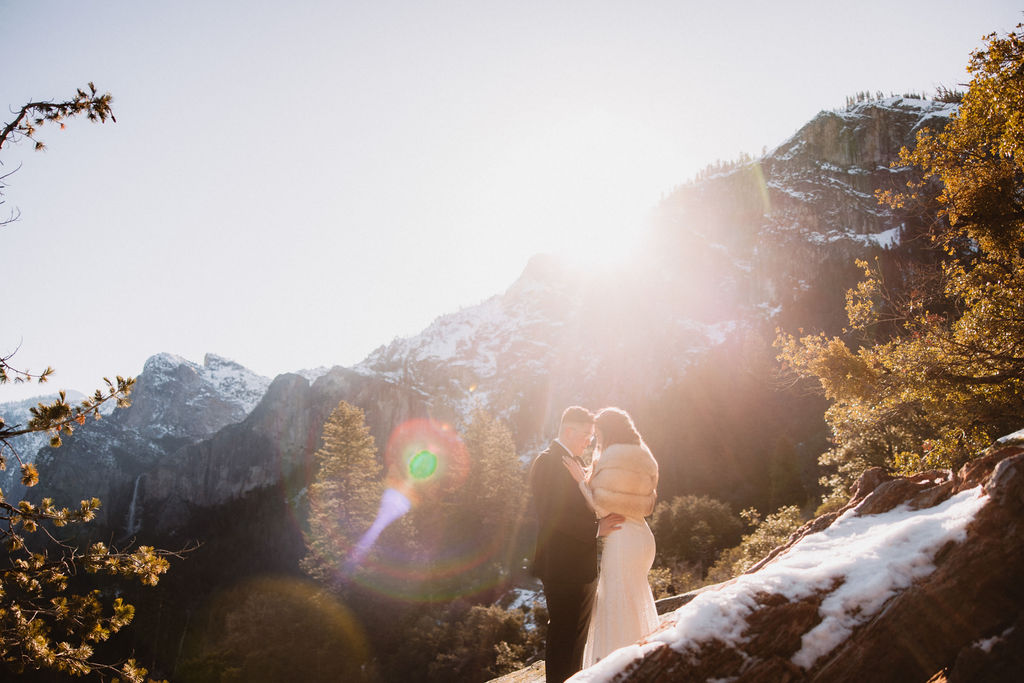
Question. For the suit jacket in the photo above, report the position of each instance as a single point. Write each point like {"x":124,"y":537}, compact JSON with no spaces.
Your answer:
{"x":566,"y":549}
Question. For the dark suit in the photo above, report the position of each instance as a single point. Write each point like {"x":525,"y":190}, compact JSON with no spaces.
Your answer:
{"x":565,"y":560}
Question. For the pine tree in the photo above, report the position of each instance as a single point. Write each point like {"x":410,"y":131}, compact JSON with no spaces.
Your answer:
{"x":946,"y":375}
{"x":34,"y":115}
{"x":43,"y":623}
{"x":345,"y":494}
{"x":481,"y":515}
{"x":495,"y":483}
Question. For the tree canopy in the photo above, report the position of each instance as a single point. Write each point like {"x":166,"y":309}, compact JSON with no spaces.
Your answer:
{"x":933,"y":368}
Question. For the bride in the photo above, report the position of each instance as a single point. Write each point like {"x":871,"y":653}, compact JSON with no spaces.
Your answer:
{"x":622,"y":479}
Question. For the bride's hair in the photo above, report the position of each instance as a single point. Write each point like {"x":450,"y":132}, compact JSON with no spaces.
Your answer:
{"x":616,"y":426}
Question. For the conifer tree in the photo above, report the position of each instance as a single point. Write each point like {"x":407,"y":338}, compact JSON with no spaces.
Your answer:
{"x":34,"y":115}
{"x":946,"y":375}
{"x":43,"y":623}
{"x":496,"y":481}
{"x":493,"y":504}
{"x":345,"y":493}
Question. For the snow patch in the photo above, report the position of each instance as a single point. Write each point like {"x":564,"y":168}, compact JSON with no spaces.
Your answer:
{"x":872,"y":557}
{"x":986,"y":644}
{"x":886,"y":239}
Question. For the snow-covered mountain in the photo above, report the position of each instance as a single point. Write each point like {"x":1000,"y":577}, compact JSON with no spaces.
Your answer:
{"x":175,"y":402}
{"x":16,"y":415}
{"x":681,"y":337}
{"x":178,"y":399}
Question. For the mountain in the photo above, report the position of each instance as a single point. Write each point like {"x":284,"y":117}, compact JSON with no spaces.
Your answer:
{"x":273,"y":445}
{"x":681,"y":338}
{"x":175,"y":402}
{"x":17,"y":415}
{"x":916,"y":578}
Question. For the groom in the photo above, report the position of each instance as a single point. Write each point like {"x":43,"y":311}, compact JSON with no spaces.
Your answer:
{"x":565,"y":559}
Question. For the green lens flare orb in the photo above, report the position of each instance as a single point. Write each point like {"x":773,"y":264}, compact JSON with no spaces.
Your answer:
{"x":422,"y":465}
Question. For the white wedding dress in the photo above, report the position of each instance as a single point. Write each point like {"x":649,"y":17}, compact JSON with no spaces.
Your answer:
{"x":624,"y":608}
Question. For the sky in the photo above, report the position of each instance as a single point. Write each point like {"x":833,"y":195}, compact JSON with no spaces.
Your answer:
{"x":291,"y":185}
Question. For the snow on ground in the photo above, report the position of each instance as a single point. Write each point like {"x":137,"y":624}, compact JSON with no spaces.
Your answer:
{"x":874,"y":556}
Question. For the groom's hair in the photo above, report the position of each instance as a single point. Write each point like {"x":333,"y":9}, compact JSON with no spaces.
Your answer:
{"x":577,"y":415}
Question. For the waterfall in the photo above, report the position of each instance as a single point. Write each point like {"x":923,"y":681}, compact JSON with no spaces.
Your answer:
{"x":132,"y":525}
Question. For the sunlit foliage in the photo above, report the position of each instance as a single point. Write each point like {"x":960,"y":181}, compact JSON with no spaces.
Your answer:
{"x":44,"y":623}
{"x":345,"y":493}
{"x":31,"y":117}
{"x":755,"y":546}
{"x":941,"y":369}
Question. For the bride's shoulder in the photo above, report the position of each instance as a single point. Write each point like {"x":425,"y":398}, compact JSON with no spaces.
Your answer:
{"x":627,"y":455}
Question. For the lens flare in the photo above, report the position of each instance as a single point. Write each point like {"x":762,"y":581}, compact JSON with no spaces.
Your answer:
{"x":422,"y":465}
{"x":427,"y":456}
{"x":423,"y":458}
{"x":281,"y":609}
{"x":426,"y":468}
{"x":393,"y":505}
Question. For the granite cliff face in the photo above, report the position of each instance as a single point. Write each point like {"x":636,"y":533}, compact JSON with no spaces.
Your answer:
{"x":952,"y":612}
{"x":174,"y":403}
{"x":783,"y":231}
{"x":273,"y":446}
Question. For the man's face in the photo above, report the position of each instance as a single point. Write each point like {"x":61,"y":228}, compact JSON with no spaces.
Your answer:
{"x":577,"y":437}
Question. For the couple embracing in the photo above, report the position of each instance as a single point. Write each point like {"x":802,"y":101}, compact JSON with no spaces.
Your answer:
{"x":590,"y":613}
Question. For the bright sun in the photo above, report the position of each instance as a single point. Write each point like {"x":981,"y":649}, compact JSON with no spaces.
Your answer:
{"x":582,"y":187}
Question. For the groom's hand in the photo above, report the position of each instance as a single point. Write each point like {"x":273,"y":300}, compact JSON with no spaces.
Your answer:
{"x":609,"y":524}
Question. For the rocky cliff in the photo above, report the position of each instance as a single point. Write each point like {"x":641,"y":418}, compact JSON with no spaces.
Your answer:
{"x":274,"y":445}
{"x":175,"y":402}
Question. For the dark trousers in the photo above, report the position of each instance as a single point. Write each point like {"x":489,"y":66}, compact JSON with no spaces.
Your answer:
{"x":569,"y":608}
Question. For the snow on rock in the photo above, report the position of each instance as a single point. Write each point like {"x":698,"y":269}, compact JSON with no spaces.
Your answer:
{"x":869,"y":558}
{"x":1015,"y":439}
{"x":313,"y":374}
{"x":235,"y":380}
{"x":168,"y":380}
{"x":915,"y":575}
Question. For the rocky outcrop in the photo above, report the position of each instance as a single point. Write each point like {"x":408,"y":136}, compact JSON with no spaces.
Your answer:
{"x":956,"y":616}
{"x":792,"y":222}
{"x":180,"y":401}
